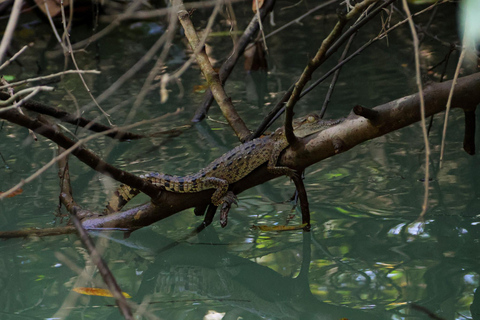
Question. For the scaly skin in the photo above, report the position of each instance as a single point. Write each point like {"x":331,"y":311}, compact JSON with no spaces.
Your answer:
{"x":229,"y":168}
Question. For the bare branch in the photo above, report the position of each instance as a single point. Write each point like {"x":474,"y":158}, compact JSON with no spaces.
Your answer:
{"x":15,"y":56}
{"x":391,"y":116}
{"x":314,"y":63}
{"x":77,"y":149}
{"x":455,"y":77}
{"x":50,"y":76}
{"x":31,"y":92}
{"x":12,"y":23}
{"x":422,"y":107}
{"x":211,"y":76}
{"x":233,"y":57}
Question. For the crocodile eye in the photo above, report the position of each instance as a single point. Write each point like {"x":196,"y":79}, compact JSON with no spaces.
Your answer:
{"x":311,"y":119}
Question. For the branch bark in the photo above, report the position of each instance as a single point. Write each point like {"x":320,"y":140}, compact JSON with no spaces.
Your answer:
{"x":340,"y":138}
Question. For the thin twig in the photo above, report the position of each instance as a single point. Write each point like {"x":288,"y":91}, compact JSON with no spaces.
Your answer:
{"x":82,"y":154}
{"x":31,"y":91}
{"x":54,"y":29}
{"x":335,"y":77}
{"x":12,"y":23}
{"x":130,"y":72}
{"x":366,"y":45}
{"x":132,"y":13}
{"x":74,"y":119}
{"x":233,"y":57}
{"x":67,"y":199}
{"x":103,"y":269}
{"x":449,"y":101}
{"x":17,"y":104}
{"x":169,"y":34}
{"x":315,"y":62}
{"x":213,"y":80}
{"x":260,"y":24}
{"x":279,"y":107}
{"x":30,"y":80}
{"x":200,"y":43}
{"x":15,"y":56}
{"x":297,"y":20}
{"x":84,"y":43}
{"x":70,"y":52}
{"x":422,"y":108}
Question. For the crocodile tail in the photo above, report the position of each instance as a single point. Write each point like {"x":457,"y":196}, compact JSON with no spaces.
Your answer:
{"x":120,"y":198}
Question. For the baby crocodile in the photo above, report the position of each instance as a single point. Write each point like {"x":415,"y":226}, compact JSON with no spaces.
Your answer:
{"x":229,"y":168}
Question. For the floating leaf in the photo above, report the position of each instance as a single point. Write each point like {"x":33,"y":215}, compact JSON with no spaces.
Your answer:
{"x":13,"y":194}
{"x":97,"y":292}
{"x":279,"y":228}
{"x":54,"y":6}
{"x":9,"y":77}
{"x":201,"y":88}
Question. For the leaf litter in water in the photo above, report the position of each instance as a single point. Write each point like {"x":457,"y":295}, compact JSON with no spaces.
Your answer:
{"x":97,"y":292}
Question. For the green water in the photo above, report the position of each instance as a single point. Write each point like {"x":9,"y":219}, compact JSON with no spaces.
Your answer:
{"x":366,"y":256}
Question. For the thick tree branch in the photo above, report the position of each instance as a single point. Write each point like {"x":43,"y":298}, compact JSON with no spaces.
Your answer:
{"x":344,"y":136}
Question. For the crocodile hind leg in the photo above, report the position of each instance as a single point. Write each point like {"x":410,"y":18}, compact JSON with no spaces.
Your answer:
{"x":221,"y":186}
{"x":228,"y":199}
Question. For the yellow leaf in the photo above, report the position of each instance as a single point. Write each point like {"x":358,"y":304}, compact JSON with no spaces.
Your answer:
{"x":97,"y":292}
{"x":14,"y":193}
{"x":279,"y":228}
{"x":201,"y":88}
{"x":254,"y":5}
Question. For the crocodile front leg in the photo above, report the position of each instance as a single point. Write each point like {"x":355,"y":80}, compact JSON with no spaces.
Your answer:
{"x":272,"y":162}
{"x":221,"y":186}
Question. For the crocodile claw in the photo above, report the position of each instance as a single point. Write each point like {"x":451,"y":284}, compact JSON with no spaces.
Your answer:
{"x":228,"y":199}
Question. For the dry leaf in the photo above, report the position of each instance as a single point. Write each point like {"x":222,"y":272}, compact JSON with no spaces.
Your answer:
{"x":54,"y":6}
{"x":254,"y":5}
{"x":201,"y":88}
{"x":97,"y":292}
{"x":13,"y":194}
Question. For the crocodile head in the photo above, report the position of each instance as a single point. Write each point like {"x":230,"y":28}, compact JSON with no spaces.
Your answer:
{"x":311,"y":124}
